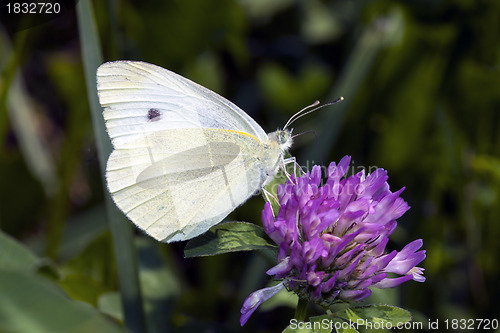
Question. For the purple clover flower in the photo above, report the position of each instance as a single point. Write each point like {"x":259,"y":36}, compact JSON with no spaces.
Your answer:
{"x":332,"y":238}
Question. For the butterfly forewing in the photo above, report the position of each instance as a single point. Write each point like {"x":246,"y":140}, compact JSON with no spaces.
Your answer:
{"x":140,"y":98}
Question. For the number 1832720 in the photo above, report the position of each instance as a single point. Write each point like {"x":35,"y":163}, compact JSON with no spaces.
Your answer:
{"x":471,"y":324}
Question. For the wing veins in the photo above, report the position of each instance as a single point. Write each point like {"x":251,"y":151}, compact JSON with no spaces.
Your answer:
{"x":155,"y":196}
{"x":163,"y":175}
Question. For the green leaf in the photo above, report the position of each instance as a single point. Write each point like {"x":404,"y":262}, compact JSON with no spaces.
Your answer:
{"x":375,"y":314}
{"x":81,"y":287}
{"x":31,"y":303}
{"x":14,"y":255}
{"x":228,"y":237}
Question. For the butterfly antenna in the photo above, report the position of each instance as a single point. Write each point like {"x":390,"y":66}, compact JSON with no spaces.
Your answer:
{"x":292,"y":118}
{"x":302,"y":112}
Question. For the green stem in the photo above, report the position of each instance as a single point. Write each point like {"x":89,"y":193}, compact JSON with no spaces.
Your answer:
{"x":121,"y":231}
{"x":301,"y":311}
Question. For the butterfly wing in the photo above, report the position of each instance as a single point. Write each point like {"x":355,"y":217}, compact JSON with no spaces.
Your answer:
{"x":184,"y":156}
{"x":140,"y":98}
{"x":176,"y":184}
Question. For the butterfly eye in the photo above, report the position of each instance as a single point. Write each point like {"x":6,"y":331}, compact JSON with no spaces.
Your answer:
{"x":283,"y":137}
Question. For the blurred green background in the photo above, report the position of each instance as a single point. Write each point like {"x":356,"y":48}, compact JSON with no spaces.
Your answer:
{"x":421,"y":82}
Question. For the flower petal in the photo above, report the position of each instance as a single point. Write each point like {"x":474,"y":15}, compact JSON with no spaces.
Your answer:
{"x":268,"y":223}
{"x":417,"y":273}
{"x":391,"y":283}
{"x":280,"y":268}
{"x":355,"y":295}
{"x":407,"y":258}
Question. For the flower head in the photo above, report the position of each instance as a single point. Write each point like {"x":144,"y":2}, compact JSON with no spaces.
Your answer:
{"x":332,"y":238}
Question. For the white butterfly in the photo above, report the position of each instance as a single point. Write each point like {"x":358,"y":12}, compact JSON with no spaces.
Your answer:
{"x":184,"y":157}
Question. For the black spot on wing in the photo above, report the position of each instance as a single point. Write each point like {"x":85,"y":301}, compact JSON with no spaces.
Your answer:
{"x":154,"y":114}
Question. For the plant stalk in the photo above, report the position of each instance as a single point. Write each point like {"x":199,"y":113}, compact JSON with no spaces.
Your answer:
{"x":301,"y":311}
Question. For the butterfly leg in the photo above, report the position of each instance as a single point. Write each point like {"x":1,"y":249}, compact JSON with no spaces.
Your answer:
{"x":286,"y":161}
